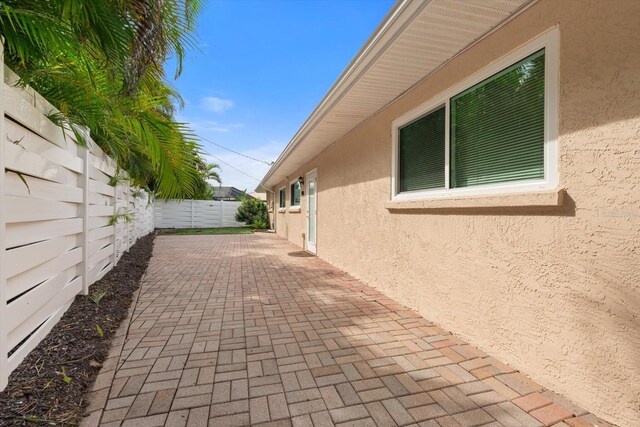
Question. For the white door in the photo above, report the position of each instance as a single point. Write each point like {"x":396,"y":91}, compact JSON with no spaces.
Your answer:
{"x":312,"y":210}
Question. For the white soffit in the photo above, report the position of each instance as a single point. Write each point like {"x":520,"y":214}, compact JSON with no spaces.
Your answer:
{"x":415,"y":38}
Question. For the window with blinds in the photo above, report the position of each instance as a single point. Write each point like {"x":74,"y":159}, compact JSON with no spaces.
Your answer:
{"x":283,"y":197}
{"x":421,"y":156}
{"x":496,"y":134}
{"x":497,"y":127}
{"x":295,"y":194}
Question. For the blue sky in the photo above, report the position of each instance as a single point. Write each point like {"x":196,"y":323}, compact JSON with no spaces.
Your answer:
{"x":262,"y":68}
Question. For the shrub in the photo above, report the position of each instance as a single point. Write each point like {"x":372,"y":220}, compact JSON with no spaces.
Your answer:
{"x":253,"y":211}
{"x":259,"y":224}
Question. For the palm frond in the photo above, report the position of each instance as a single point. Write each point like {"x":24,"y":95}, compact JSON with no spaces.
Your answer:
{"x":100,"y":63}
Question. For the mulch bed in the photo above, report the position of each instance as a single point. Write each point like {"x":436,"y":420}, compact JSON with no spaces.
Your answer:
{"x":52,"y":384}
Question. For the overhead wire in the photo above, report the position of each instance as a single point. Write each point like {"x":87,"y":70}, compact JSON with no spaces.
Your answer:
{"x":231,"y":166}
{"x":235,"y":152}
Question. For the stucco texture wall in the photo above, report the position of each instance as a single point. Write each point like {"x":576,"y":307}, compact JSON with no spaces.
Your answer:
{"x":553,"y":292}
{"x":290,"y":223}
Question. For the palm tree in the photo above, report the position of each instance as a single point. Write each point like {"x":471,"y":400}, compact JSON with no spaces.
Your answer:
{"x":212,"y":174}
{"x":101,"y":64}
{"x":208,"y":171}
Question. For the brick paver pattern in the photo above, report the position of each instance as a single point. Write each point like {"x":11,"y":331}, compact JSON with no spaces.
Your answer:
{"x":243,"y":330}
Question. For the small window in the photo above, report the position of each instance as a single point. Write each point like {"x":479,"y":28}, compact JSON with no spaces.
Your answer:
{"x":283,"y":198}
{"x":295,"y":193}
{"x":421,"y":154}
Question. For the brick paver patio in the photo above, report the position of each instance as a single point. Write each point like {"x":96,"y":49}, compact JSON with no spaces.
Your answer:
{"x":243,"y":330}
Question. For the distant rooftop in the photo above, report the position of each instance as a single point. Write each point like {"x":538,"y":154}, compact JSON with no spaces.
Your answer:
{"x":228,"y":193}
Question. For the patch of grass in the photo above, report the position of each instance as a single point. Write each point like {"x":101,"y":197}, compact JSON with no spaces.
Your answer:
{"x":204,"y":231}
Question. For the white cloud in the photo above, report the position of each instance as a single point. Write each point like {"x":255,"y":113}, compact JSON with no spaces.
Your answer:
{"x":215,"y":104}
{"x":213,"y":126}
{"x":203,"y":127}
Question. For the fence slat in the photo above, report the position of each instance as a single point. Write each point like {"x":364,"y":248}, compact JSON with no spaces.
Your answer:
{"x":102,"y":188}
{"x":33,"y":143}
{"x":97,"y":271}
{"x":100,"y":232}
{"x":103,"y":164}
{"x":24,"y":209}
{"x":43,"y":295}
{"x":19,"y":160}
{"x":25,"y":113}
{"x":40,"y":188}
{"x":22,"y":282}
{"x":41,"y":332}
{"x":98,"y":245}
{"x":31,"y":324}
{"x":23,"y":233}
{"x":28,"y":257}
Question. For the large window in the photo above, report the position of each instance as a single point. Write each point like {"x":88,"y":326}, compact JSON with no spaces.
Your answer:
{"x":486,"y":136}
{"x":295,"y":194}
{"x":282,"y":196}
{"x":497,"y":127}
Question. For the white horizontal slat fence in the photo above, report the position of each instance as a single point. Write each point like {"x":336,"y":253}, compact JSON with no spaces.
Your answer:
{"x":57,"y":207}
{"x":196,"y":214}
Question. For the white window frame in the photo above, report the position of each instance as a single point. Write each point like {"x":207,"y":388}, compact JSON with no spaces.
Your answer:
{"x":550,"y":42}
{"x":292,"y":207}
{"x":282,"y":208}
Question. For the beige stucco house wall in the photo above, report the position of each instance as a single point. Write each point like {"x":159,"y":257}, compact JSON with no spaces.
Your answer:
{"x":554,"y":291}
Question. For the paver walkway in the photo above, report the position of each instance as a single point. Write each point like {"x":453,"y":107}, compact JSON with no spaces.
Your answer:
{"x":242,"y":329}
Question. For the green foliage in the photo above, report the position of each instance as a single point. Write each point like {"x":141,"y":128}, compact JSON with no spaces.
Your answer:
{"x":253,"y":211}
{"x":65,"y":378}
{"x":210,"y":172}
{"x":207,"y":172}
{"x":122,"y":215}
{"x":118,"y":178}
{"x":101,"y":64}
{"x":36,"y":420}
{"x":259,"y":224}
{"x":137,"y":194}
{"x":96,"y":297}
{"x":24,"y":181}
{"x":99,"y":329}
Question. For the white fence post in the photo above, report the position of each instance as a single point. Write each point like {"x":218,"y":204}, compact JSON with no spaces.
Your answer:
{"x":115,"y":228}
{"x":192,"y":214}
{"x":135,"y":215}
{"x":86,"y":159}
{"x":135,"y":218}
{"x":126,"y":210}
{"x":4,"y":351}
